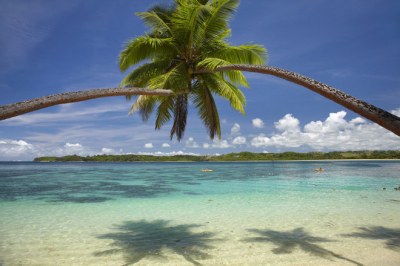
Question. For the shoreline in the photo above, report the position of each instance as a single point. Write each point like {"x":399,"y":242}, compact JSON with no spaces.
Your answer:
{"x":222,"y":161}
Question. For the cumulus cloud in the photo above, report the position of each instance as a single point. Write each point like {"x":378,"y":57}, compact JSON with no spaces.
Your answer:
{"x":15,"y":148}
{"x":334,"y":133}
{"x":239,"y":140}
{"x":258,"y":123}
{"x":220,"y":144}
{"x":217,"y":144}
{"x":235,"y":129}
{"x":191,"y":143}
{"x":165,"y":145}
{"x":107,"y":151}
{"x":148,"y":145}
{"x":288,"y":123}
{"x":23,"y":150}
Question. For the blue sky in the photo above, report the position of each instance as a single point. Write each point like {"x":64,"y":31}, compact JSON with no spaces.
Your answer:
{"x":57,"y":46}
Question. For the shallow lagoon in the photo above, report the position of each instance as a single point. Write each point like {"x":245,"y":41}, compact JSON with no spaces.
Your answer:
{"x":264,"y":213}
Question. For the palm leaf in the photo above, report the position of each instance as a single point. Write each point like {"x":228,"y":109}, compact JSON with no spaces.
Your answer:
{"x":188,"y":23}
{"x":175,"y":79}
{"x":145,"y":47}
{"x":217,"y":23}
{"x":207,"y":109}
{"x":154,"y":21}
{"x":236,"y":77}
{"x":243,"y":54}
{"x":226,"y":90}
{"x":164,"y":111}
{"x":180,"y":116}
{"x":145,"y":105}
{"x":141,"y":75}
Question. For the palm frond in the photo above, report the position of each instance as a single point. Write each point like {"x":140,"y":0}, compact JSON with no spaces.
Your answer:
{"x":145,"y":47}
{"x":175,"y":79}
{"x":217,"y":23}
{"x":235,"y":76}
{"x":180,"y":116}
{"x":188,"y":20}
{"x":164,"y":111}
{"x":145,"y":105}
{"x":242,"y":54}
{"x":223,"y":88}
{"x":207,"y":109}
{"x":154,"y":21}
{"x":141,"y":75}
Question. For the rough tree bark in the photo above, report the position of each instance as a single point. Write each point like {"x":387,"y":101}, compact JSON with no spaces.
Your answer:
{"x":19,"y":108}
{"x":373,"y":113}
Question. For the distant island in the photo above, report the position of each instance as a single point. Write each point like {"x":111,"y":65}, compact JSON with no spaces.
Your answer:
{"x":230,"y":157}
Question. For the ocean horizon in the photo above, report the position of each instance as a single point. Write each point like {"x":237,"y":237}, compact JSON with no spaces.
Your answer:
{"x":173,"y":213}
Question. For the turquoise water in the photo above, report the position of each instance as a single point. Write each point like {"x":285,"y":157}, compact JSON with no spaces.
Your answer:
{"x":268,"y":213}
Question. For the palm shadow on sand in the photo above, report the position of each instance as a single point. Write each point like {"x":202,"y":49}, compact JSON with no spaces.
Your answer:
{"x":151,"y":239}
{"x":390,"y":235}
{"x":288,"y":241}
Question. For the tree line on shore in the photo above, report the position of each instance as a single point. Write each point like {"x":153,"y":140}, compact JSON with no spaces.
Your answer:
{"x":241,"y":156}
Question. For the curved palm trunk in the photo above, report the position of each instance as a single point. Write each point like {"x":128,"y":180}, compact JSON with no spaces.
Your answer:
{"x":373,"y":113}
{"x":15,"y":109}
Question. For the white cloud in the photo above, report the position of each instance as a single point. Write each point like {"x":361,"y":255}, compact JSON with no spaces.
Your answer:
{"x":73,"y":148}
{"x":191,"y":143}
{"x":165,"y":145}
{"x":148,"y":145}
{"x":357,"y":120}
{"x":335,"y":133}
{"x":172,"y":153}
{"x":220,"y":144}
{"x":288,"y":123}
{"x":396,"y":112}
{"x":23,"y":150}
{"x":217,"y":144}
{"x":15,"y":148}
{"x":235,"y":129}
{"x":260,"y":141}
{"x":258,"y":123}
{"x":239,"y":140}
{"x":107,"y":151}
{"x":73,"y":145}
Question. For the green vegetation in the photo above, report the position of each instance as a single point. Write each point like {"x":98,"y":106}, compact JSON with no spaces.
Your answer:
{"x":186,"y":42}
{"x":241,"y":156}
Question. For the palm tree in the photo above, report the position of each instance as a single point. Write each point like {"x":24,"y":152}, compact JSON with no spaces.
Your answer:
{"x":187,"y":60}
{"x":183,"y":39}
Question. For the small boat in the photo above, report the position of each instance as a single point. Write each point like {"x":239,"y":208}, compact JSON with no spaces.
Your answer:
{"x":206,"y":170}
{"x":319,"y":170}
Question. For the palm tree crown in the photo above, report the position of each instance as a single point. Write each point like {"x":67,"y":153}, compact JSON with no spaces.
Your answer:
{"x":184,"y":40}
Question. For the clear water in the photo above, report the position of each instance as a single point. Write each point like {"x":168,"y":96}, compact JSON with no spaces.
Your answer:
{"x":268,"y":213}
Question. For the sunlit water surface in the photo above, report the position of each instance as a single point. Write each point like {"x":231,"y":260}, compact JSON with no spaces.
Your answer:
{"x":266,"y":213}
